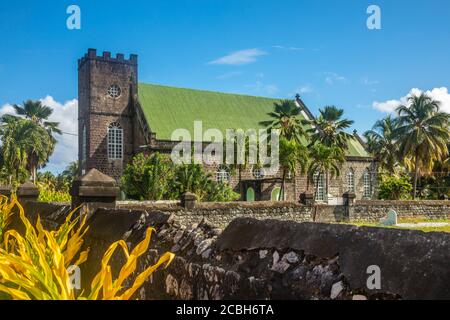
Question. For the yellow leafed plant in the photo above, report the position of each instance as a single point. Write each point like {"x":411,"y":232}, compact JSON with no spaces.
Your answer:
{"x":35,"y":265}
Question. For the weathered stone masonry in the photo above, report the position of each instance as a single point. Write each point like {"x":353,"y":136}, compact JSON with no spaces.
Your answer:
{"x":221,"y":214}
{"x":270,"y":259}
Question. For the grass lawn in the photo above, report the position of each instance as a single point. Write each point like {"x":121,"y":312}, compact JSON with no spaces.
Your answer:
{"x":425,"y":229}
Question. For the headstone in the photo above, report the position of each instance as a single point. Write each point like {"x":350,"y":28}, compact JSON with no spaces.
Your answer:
{"x":188,"y":200}
{"x":391,"y":219}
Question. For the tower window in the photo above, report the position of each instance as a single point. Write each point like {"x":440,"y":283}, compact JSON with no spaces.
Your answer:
{"x":114,"y":91}
{"x":351,"y":181}
{"x":367,"y":184}
{"x":115,"y":142}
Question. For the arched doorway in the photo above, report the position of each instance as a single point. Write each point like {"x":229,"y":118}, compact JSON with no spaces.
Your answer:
{"x":275,"y":194}
{"x":250,"y":196}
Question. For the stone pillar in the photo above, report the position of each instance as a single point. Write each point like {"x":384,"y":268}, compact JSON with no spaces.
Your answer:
{"x":5,"y":191}
{"x":27,"y":192}
{"x":94,"y":190}
{"x":307,"y":198}
{"x":188,"y":200}
{"x":349,"y":198}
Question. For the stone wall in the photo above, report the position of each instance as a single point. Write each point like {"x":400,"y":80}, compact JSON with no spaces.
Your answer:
{"x":221,"y":214}
{"x":269,"y":259}
{"x":376,"y":209}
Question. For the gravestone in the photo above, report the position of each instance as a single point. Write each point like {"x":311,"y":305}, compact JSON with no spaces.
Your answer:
{"x":188,"y":200}
{"x":391,"y":219}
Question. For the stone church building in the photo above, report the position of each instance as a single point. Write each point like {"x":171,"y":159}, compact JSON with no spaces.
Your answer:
{"x":119,"y":117}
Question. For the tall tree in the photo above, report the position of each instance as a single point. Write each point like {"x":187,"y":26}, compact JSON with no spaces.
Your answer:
{"x":328,"y":128}
{"x":292,"y":156}
{"x":38,"y":114}
{"x":26,"y":145}
{"x":287,"y":118}
{"x":423,"y":133}
{"x":325,"y":160}
{"x":382,"y":144}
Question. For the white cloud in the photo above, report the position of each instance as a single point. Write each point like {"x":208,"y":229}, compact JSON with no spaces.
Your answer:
{"x":287,"y":48}
{"x":305,"y":89}
{"x":229,"y":75}
{"x":240,"y":57}
{"x":7,"y":109}
{"x":332,"y":78}
{"x":66,"y":150}
{"x":439,"y":94}
{"x":260,"y":87}
{"x":368,"y":82}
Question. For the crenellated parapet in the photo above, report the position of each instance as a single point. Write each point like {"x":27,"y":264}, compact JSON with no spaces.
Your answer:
{"x":106,"y":57}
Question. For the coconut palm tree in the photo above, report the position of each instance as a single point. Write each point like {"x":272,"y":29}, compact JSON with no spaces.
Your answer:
{"x":382,"y":143}
{"x":287,"y":118}
{"x":14,"y":138}
{"x":38,"y":114}
{"x":325,"y":160}
{"x":292,"y":156}
{"x":26,"y":145}
{"x":328,"y":128}
{"x":423,"y":133}
{"x":72,"y":170}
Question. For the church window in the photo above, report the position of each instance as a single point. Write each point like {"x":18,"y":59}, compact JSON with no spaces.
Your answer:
{"x":351,"y":181}
{"x":319,"y":186}
{"x":115,"y":142}
{"x":223,"y":175}
{"x":114,"y":91}
{"x":367,"y":184}
{"x":258,"y":173}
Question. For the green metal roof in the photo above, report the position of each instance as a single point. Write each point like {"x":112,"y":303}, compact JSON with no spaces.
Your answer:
{"x":169,"y":108}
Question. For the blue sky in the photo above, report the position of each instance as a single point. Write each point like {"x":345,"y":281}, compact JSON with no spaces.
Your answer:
{"x":320,"y":49}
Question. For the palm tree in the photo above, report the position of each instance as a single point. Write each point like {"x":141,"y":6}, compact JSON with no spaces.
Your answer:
{"x":25,"y":145}
{"x":287,"y":118}
{"x":292,"y":155}
{"x":423,"y":133}
{"x":328,"y":128}
{"x":191,"y":178}
{"x":326,"y":160}
{"x":38,"y":114}
{"x":71,"y":170}
{"x":14,"y":137}
{"x":381,"y":143}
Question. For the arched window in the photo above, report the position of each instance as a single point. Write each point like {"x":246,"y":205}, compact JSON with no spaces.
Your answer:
{"x":367,"y":180}
{"x":223,"y":175}
{"x":351,"y":180}
{"x":83,"y":149}
{"x":115,"y":142}
{"x":83,"y":145}
{"x":319,"y":185}
{"x":250,"y":196}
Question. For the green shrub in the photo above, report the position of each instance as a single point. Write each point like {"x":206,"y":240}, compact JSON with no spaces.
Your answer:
{"x":147,"y":177}
{"x":395,"y":188}
{"x":50,"y":195}
{"x":155,"y":177}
